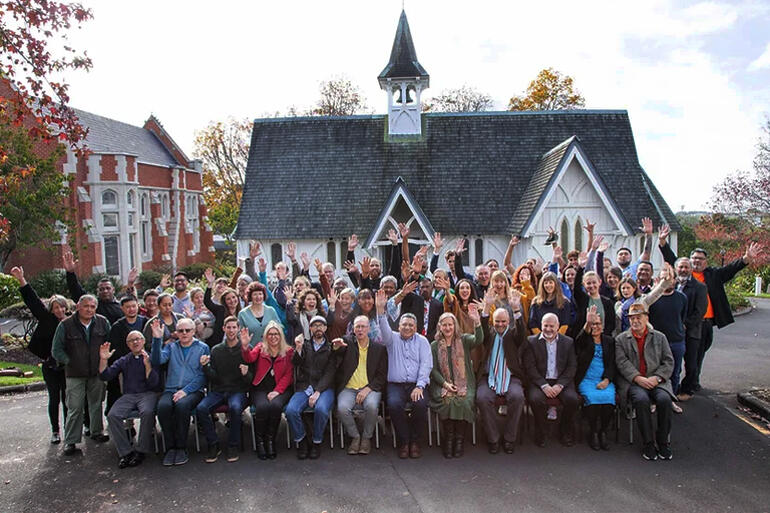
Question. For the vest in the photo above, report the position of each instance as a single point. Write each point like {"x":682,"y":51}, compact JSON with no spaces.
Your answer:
{"x":84,"y":354}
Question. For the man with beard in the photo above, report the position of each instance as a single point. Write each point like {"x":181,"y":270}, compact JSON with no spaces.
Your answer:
{"x":181,"y":298}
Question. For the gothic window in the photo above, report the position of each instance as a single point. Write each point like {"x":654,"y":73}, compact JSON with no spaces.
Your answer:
{"x":111,"y":255}
{"x":109,"y":199}
{"x":276,"y":253}
{"x":479,"y":251}
{"x":331,"y":252}
{"x":564,"y":237}
{"x":578,"y":235}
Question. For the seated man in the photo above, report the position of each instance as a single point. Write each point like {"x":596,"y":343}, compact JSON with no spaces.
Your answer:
{"x":229,"y":378}
{"x":184,"y":385}
{"x":361,"y":375}
{"x":314,"y":367}
{"x":502,"y":375}
{"x":642,"y":380}
{"x":550,"y":363}
{"x":410,"y":361}
{"x":139,"y":383}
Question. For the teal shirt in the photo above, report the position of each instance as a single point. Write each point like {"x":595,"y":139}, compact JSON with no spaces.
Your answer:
{"x":257,"y":328}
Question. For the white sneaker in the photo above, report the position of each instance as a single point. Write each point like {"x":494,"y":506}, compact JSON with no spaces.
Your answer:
{"x":676,"y":408}
{"x":551,"y":413}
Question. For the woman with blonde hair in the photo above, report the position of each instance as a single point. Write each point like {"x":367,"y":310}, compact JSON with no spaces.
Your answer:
{"x":453,"y":383}
{"x":271,"y":388}
{"x":550,"y":299}
{"x":500,"y":294}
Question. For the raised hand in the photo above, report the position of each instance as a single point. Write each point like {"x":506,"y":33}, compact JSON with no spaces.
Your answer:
{"x":255,"y":249}
{"x":165,"y":281}
{"x":157,"y":329}
{"x":489,"y":297}
{"x":262,"y":265}
{"x":353,"y":242}
{"x":406,"y":270}
{"x":205,"y":359}
{"x":350,"y":266}
{"x":403,"y":230}
{"x":68,"y":259}
{"x":752,"y":252}
{"x":440,"y":283}
{"x":299,"y":341}
{"x":18,"y":273}
{"x":380,"y":301}
{"x":365,"y":267}
{"x":663,"y":232}
{"x":597,"y":242}
{"x":245,"y":338}
{"x":604,"y":246}
{"x":423,"y":251}
{"x":393,"y":237}
{"x":473,"y":313}
{"x":281,"y":272}
{"x":319,"y":266}
{"x":592,"y":315}
{"x":288,"y":291}
{"x":305,"y":260}
{"x":104,"y":351}
{"x":582,"y":259}
{"x":647,"y":225}
{"x":438,"y":242}
{"x":667,"y":273}
{"x":331,"y":299}
{"x":291,"y":251}
{"x":410,"y":287}
{"x":460,"y":246}
{"x":514,"y":298}
{"x":209,"y":275}
{"x":514,"y":241}
{"x":146,"y":360}
{"x":557,"y":253}
{"x":338,"y":342}
{"x":589,"y":226}
{"x":133,"y":274}
{"x":417,"y":263}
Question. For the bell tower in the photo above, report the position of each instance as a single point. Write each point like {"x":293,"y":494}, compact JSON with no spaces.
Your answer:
{"x":404,"y":79}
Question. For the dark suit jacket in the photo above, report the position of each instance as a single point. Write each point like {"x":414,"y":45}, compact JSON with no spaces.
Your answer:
{"x":697,"y":303}
{"x":376,"y":364}
{"x":513,"y":341}
{"x":716,"y":277}
{"x":415,"y":304}
{"x":536,"y":361}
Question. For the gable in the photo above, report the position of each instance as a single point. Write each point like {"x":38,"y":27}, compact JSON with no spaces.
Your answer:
{"x":401,"y":207}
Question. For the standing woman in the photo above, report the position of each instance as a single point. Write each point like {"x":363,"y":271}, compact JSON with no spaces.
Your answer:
{"x":594,"y":377}
{"x":365,"y":307}
{"x":271,"y":388}
{"x":525,"y":282}
{"x":168,"y":319}
{"x":40,"y":345}
{"x":257,"y":315}
{"x":340,"y":312}
{"x":299,"y":312}
{"x":203,"y":317}
{"x":453,"y":382}
{"x":459,"y":305}
{"x":549,"y":299}
{"x":499,"y":294}
{"x":229,"y":304}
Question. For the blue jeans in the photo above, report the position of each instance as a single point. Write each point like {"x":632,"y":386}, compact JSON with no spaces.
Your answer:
{"x":408,"y":427}
{"x":174,"y":418}
{"x":677,"y":349}
{"x":236,"y":402}
{"x":298,"y":403}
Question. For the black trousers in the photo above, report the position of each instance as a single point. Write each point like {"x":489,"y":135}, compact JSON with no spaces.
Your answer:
{"x":56,"y":385}
{"x":706,"y":339}
{"x":641,"y":398}
{"x":538,"y":401}
{"x":691,"y":368}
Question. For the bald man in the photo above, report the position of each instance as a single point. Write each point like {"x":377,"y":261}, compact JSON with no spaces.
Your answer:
{"x":550,"y":363}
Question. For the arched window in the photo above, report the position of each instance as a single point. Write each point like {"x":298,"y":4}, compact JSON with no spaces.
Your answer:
{"x":130,"y":199}
{"x":276,"y":253}
{"x":466,"y":258}
{"x":564,"y":237}
{"x":109,"y":198}
{"x":578,"y":235}
{"x":331,"y":252}
{"x":164,"y":207}
{"x":143,"y":205}
{"x":479,"y":250}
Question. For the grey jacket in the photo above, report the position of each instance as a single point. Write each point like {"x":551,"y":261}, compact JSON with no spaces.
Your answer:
{"x":657,"y":355}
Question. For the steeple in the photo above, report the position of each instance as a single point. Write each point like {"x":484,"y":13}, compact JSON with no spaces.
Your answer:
{"x":404,"y":78}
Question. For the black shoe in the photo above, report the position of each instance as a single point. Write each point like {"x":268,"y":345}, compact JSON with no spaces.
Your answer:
{"x":302,"y":449}
{"x":100,"y":438}
{"x":603,"y":443}
{"x":86,"y":432}
{"x":508,"y":447}
{"x":181,"y":457}
{"x":567,"y":440}
{"x":315,"y":451}
{"x":125,"y":460}
{"x":232,"y":453}
{"x":593,"y":442}
{"x":494,"y":447}
{"x":55,"y":438}
{"x":261,"y":450}
{"x":664,"y":452}
{"x":540,"y":440}
{"x":551,"y":239}
{"x":136,"y":459}
{"x":70,"y":449}
{"x":270,"y":447}
{"x":649,"y":452}
{"x":449,"y":434}
{"x":169,"y":458}
{"x":214,"y":452}
{"x":458,"y":448}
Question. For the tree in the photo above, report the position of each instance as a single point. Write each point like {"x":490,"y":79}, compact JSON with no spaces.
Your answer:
{"x":462,"y":99}
{"x":549,"y":91}
{"x":34,"y":193}
{"x":747,"y":194}
{"x":339,"y":97}
{"x":223,"y":147}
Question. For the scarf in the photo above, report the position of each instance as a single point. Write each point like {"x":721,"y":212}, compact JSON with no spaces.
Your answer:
{"x":457,"y":370}
{"x":304,"y":320}
{"x":499,"y":374}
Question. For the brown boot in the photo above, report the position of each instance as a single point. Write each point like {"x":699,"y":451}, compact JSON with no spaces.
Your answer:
{"x":403,"y":451}
{"x":414,"y":450}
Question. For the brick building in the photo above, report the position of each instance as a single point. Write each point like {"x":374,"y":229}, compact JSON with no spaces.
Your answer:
{"x":137,"y":200}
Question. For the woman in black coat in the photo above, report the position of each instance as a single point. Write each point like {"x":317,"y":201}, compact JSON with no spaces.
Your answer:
{"x":48,"y":319}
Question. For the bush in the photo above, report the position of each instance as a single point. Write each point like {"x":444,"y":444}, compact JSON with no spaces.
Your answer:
{"x":89,"y":284}
{"x":48,"y":283}
{"x":149,"y":280}
{"x":9,"y":290}
{"x":195,"y":271}
{"x":17,"y":311}
{"x":736,"y":296}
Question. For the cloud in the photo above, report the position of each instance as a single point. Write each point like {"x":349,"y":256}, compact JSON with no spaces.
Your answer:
{"x":761,"y":62}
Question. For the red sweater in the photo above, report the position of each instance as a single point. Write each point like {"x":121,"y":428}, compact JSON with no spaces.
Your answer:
{"x":284,"y":369}
{"x":640,"y":345}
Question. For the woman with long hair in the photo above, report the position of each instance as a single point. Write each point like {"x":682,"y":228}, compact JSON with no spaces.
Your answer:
{"x":299,"y":312}
{"x":271,"y":388}
{"x":48,"y":318}
{"x":229,"y":305}
{"x":365,"y":306}
{"x":458,"y":304}
{"x":549,"y":299}
{"x":340,"y":312}
{"x":525,"y":282}
{"x":168,"y":319}
{"x":453,"y":382}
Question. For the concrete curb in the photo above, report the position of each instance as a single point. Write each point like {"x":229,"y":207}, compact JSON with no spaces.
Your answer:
{"x":743,"y":311}
{"x":29,"y":387}
{"x":755,"y":404}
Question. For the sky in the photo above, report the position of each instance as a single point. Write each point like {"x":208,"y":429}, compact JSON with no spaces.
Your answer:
{"x":693,"y":76}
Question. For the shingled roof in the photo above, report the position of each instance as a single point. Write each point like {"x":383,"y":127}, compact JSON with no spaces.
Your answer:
{"x":469,"y":172}
{"x":107,"y":135}
{"x":403,"y":57}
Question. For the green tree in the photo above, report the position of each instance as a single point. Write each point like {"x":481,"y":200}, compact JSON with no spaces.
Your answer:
{"x":462,"y":99}
{"x":549,"y":91}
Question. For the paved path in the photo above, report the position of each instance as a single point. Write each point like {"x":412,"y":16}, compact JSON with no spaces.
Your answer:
{"x":720,"y":463}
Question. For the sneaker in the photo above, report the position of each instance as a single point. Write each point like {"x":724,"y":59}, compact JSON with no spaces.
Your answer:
{"x":355,"y":444}
{"x":315,"y":450}
{"x":55,"y":438}
{"x":70,"y":449}
{"x":551,"y":415}
{"x":136,"y":459}
{"x":365,"y":448}
{"x":86,"y":432}
{"x":676,"y":408}
{"x":664,"y":452}
{"x":169,"y":458}
{"x":181,"y":457}
{"x":232,"y":453}
{"x":649,"y":452}
{"x":125,"y":460}
{"x":100,"y":438}
{"x":214,"y":452}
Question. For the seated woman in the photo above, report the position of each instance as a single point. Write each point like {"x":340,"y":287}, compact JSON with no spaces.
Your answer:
{"x":453,"y":382}
{"x":549,"y":299}
{"x":271,"y":388}
{"x":594,"y":377}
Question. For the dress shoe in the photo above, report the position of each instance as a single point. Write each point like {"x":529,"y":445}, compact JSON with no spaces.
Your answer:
{"x":366,"y":446}
{"x":508,"y":447}
{"x":458,"y":448}
{"x":649,"y":452}
{"x":100,"y":438}
{"x":315,"y":451}
{"x":270,"y":447}
{"x":494,"y":447}
{"x":603,"y":443}
{"x":70,"y":449}
{"x":567,"y":440}
{"x":593,"y":442}
{"x":55,"y":438}
{"x":414,"y":450}
{"x":403,"y":451}
{"x":540,"y":440}
{"x":302,"y":449}
{"x":136,"y":459}
{"x":355,"y":444}
{"x":123,"y":462}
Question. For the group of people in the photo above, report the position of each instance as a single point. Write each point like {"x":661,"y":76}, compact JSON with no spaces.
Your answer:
{"x":581,"y":332}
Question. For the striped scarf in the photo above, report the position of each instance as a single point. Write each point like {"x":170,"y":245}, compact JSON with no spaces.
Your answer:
{"x":499,"y":375}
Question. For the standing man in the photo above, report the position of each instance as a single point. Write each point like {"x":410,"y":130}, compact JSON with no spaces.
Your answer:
{"x":76,"y":344}
{"x":645,"y":363}
{"x":409,"y":364}
{"x":131,"y":321}
{"x":718,"y":311}
{"x":107,"y":306}
{"x":139,"y":383}
{"x":181,"y":298}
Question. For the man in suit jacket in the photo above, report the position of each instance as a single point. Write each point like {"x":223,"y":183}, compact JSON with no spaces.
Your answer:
{"x":646,"y":379}
{"x":550,"y":364}
{"x":361,"y":377}
{"x":697,"y":302}
{"x":428,"y":310}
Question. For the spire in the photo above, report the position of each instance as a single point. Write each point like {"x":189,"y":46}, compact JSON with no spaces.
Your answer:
{"x":403,"y":57}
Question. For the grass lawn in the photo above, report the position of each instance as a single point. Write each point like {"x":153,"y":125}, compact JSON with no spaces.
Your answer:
{"x":766,"y":296}
{"x":8,"y":380}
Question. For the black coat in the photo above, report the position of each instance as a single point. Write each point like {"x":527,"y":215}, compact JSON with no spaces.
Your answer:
{"x":716,"y":277}
{"x":697,"y":303}
{"x":580,"y":300}
{"x":314,"y":368}
{"x":414,"y":303}
{"x":584,"y":350}
{"x":42,"y":337}
{"x":376,"y":364}
{"x":535,"y":360}
{"x":109,"y":309}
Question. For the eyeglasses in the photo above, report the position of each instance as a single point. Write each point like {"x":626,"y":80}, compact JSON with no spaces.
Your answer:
{"x":184,"y":330}
{"x":137,"y":339}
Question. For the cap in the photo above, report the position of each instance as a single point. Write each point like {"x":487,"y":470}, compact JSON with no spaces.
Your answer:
{"x":318,"y":318}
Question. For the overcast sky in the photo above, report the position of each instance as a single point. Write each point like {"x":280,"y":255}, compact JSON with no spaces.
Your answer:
{"x":693,"y":76}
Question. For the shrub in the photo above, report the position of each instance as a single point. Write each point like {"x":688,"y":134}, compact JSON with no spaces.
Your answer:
{"x":48,"y":283}
{"x":149,"y":280}
{"x":9,"y":290}
{"x":17,"y":311}
{"x":89,"y":284}
{"x":736,"y":296}
{"x":195,"y":271}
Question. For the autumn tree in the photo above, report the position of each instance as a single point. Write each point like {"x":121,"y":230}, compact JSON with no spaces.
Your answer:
{"x":223,"y":147}
{"x":462,"y":99}
{"x":339,"y":97}
{"x":549,"y":91}
{"x":747,"y":194}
